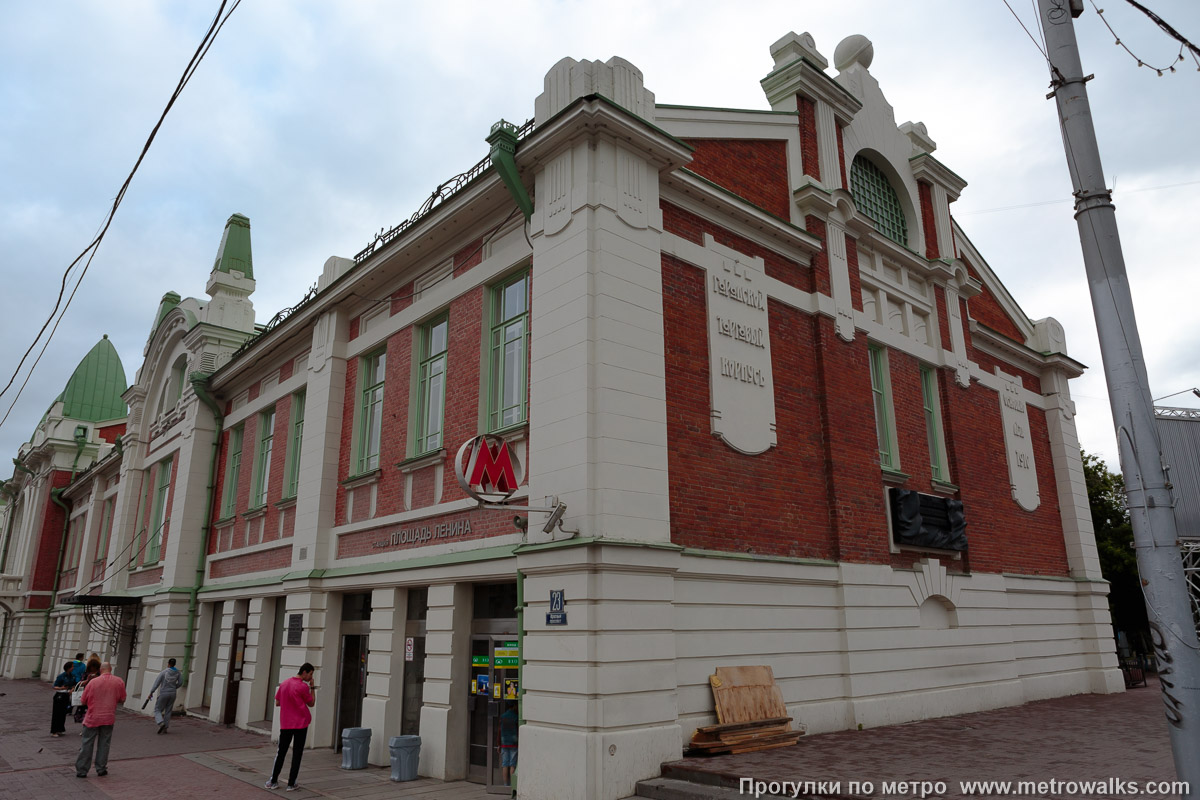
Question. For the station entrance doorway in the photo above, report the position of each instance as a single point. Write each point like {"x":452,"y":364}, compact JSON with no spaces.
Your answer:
{"x":494,"y":687}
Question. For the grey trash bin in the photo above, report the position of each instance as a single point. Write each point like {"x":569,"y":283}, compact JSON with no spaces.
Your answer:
{"x":406,"y":753}
{"x":356,"y":745}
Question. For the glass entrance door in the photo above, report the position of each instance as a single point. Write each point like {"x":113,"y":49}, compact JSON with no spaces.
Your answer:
{"x":492,"y":707}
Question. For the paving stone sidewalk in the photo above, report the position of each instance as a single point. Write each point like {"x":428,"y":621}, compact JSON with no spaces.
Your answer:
{"x":196,"y":759}
{"x":1081,"y":738}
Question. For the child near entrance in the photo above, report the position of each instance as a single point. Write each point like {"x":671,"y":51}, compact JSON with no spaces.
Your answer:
{"x":508,"y":741}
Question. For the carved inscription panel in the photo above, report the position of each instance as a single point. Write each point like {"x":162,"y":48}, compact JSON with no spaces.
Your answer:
{"x":1018,"y":444}
{"x":739,"y":347}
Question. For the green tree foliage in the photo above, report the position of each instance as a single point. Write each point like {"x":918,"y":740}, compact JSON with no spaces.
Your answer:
{"x":1118,"y":561}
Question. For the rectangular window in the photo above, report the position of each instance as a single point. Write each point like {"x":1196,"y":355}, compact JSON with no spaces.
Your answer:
{"x":262,"y":457}
{"x":69,"y":552}
{"x":371,"y":411}
{"x":933,"y":424}
{"x":233,"y":465}
{"x":508,"y":381}
{"x":106,"y":521}
{"x":431,"y":400}
{"x":882,"y":393}
{"x":294,"y":441}
{"x":161,"y":489}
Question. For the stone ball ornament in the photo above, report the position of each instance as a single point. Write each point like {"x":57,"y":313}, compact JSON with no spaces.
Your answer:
{"x":856,"y":49}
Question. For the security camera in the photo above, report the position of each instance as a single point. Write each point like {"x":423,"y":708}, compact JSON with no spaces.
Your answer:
{"x":555,"y":517}
{"x":520,"y":523}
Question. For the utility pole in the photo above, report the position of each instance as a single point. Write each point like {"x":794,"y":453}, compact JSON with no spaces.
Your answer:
{"x":1149,"y":497}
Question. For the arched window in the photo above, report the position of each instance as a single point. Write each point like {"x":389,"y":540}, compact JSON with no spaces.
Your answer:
{"x":875,"y":197}
{"x":173,"y":389}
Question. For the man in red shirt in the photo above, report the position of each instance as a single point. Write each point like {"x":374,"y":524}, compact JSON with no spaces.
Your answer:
{"x":101,"y":696}
{"x":294,"y":697}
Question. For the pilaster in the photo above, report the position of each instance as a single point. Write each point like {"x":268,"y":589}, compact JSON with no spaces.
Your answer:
{"x":597,"y":391}
{"x":447,"y":672}
{"x":381,"y":710}
{"x":320,"y":449}
{"x":318,"y":646}
{"x":601,"y":696}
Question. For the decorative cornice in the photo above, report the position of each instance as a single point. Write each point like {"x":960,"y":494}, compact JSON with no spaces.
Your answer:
{"x":1000,"y":346}
{"x":698,"y":195}
{"x":806,"y":78}
{"x":927,"y":168}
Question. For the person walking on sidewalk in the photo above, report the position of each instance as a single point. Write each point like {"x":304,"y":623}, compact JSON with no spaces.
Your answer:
{"x":63,"y":685}
{"x":169,"y":680}
{"x":101,"y":696}
{"x":294,"y":697}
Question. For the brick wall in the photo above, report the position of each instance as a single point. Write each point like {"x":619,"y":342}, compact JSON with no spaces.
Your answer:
{"x":986,"y":309}
{"x":417,"y":533}
{"x":808,"y":137}
{"x":771,"y":504}
{"x":691,"y":227}
{"x":927,"y":219}
{"x":820,"y":493}
{"x":260,"y":561}
{"x":109,"y":433}
{"x":755,"y":170}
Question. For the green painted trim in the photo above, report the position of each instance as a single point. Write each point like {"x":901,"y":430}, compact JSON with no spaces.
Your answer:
{"x":737,"y":110}
{"x":587,"y":541}
{"x":234,"y":252}
{"x":214,"y":587}
{"x":312,"y":573}
{"x":493,"y":354}
{"x":702,"y":553}
{"x":503,"y":139}
{"x":741,"y":199}
{"x":462,"y":557}
{"x":363,"y":475}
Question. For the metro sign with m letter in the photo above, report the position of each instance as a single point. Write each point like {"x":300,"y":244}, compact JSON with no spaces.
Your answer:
{"x":488,"y":469}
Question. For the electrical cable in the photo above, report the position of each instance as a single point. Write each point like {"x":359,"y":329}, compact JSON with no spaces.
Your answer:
{"x":1174,"y":34}
{"x":1118,"y":41}
{"x":1064,"y":200}
{"x":214,"y":28}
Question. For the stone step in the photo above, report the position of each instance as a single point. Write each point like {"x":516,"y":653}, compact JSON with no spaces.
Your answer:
{"x":675,"y":789}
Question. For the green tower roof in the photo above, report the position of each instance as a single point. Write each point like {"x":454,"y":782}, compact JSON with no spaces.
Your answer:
{"x":94,"y":391}
{"x":169,"y":301}
{"x":234,"y":252}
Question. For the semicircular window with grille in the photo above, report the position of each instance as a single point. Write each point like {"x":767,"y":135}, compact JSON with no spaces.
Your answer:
{"x":875,"y":197}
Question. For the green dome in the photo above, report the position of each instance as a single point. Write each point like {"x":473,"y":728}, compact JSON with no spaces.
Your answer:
{"x":94,"y":391}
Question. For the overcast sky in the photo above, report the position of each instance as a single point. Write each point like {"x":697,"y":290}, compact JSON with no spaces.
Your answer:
{"x":326,"y":121}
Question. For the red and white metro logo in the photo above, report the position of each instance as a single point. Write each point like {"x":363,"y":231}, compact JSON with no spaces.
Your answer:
{"x":488,"y":469}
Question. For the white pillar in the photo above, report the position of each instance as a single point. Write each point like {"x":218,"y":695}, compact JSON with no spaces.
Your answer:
{"x":382,"y":706}
{"x":447,"y":672}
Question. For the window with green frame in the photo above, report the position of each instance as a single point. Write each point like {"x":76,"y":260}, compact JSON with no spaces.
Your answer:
{"x":292,"y":484}
{"x":431,"y":386}
{"x":875,"y":197}
{"x":881,"y":391}
{"x":933,"y":424}
{"x":370,"y":411}
{"x":106,"y":521}
{"x":162,"y":486}
{"x":509,"y":349}
{"x":233,"y":466}
{"x":262,"y":458}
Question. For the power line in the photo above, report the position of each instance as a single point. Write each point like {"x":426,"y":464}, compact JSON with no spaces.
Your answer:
{"x":60,"y":309}
{"x":1174,"y":34}
{"x":1140,"y":62}
{"x":1070,"y":200}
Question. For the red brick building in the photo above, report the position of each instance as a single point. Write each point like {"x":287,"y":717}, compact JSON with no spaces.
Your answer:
{"x":786,"y":411}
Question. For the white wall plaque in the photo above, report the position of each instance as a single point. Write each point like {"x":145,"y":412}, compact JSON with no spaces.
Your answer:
{"x":1018,"y":444}
{"x":739,"y":350}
